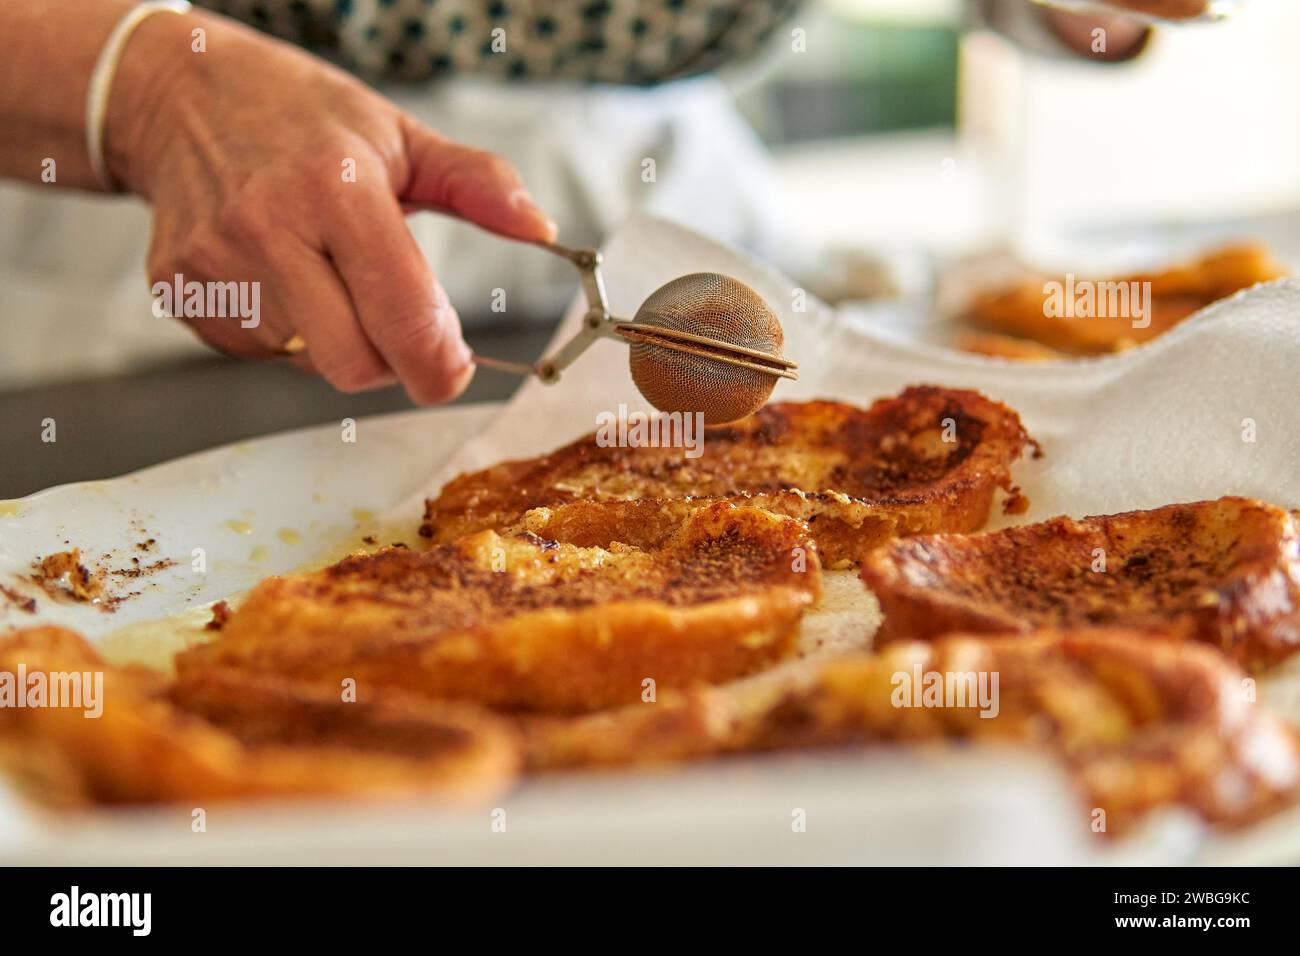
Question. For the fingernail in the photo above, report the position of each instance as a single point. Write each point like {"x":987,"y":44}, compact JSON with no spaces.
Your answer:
{"x":463,"y":379}
{"x":466,"y":354}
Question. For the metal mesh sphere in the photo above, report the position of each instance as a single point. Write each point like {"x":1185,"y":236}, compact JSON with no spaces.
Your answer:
{"x":717,"y":307}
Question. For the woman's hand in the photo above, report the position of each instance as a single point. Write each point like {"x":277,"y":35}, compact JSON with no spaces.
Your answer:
{"x":267,"y":165}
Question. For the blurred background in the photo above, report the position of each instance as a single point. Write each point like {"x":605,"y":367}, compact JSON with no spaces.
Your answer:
{"x":865,"y":147}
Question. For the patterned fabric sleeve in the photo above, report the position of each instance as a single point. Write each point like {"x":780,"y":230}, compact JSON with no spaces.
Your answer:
{"x":599,"y":41}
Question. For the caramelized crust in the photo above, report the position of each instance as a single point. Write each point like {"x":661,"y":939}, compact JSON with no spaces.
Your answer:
{"x":928,"y":460}
{"x":523,"y":622}
{"x":286,"y":740}
{"x":1224,"y":572}
{"x":1140,"y":722}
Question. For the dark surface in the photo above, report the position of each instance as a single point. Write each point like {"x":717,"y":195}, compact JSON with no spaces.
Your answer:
{"x":109,"y":426}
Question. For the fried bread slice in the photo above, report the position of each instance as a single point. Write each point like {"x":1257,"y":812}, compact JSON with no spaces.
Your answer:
{"x":927,"y":460}
{"x":1010,"y":347}
{"x":1140,"y":722}
{"x":1020,"y":310}
{"x":288,"y":741}
{"x":1223,"y":572}
{"x":524,"y":622}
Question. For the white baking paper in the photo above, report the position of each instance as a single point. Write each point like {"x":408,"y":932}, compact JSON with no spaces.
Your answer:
{"x":1163,"y":423}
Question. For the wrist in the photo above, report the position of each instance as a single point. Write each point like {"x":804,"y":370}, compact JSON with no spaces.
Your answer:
{"x":157,"y":69}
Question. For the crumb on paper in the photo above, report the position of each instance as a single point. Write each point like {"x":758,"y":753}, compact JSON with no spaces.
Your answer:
{"x":1016,"y":503}
{"x":19,"y":600}
{"x":220,"y":614}
{"x":138,"y":570}
{"x":64,"y":572}
{"x":67,"y":574}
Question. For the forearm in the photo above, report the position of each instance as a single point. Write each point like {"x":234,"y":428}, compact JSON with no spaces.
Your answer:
{"x":48,"y":51}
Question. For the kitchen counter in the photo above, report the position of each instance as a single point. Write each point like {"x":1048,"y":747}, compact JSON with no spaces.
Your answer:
{"x":106,"y":427}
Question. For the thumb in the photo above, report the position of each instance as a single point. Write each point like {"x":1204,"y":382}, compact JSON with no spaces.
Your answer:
{"x":476,"y":185}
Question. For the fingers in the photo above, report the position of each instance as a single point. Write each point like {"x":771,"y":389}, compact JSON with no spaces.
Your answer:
{"x":320,"y":309}
{"x":243,"y":336}
{"x":1123,"y":37}
{"x":472,"y":183}
{"x":346,"y":274}
{"x":403,"y":310}
{"x":303,"y":299}
{"x":225,"y":335}
{"x":362,"y":299}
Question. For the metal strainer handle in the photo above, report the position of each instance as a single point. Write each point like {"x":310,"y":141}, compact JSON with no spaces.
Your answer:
{"x":598,"y":323}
